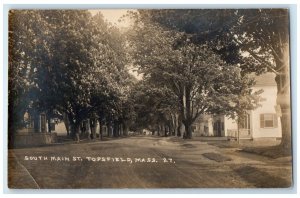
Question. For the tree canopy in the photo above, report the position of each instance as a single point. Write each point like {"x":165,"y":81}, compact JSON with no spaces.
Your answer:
{"x":193,"y":62}
{"x":201,"y":80}
{"x":65,"y":60}
{"x":255,"y":39}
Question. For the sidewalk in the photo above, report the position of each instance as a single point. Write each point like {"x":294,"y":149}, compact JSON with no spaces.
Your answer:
{"x":18,"y":175}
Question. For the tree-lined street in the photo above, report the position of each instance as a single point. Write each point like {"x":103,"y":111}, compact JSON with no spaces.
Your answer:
{"x":131,"y":99}
{"x":76,"y":65}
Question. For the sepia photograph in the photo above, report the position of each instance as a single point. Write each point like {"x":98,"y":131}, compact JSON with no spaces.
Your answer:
{"x":149,"y":99}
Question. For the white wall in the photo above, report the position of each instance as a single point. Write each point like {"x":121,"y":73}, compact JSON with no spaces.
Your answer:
{"x":60,"y":128}
{"x":267,"y":106}
{"x":229,"y":125}
{"x":205,"y":121}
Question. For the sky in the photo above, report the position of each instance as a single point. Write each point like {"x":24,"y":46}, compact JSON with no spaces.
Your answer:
{"x":113,"y":15}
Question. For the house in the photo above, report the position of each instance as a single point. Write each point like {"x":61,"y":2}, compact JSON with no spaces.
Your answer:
{"x":203,"y":126}
{"x":262,"y":122}
{"x":35,"y":131}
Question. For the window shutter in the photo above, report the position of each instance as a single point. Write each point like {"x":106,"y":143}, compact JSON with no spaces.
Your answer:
{"x":262,"y":121}
{"x":275,"y":121}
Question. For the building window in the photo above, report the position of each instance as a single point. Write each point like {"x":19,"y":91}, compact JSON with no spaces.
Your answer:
{"x":268,"y":120}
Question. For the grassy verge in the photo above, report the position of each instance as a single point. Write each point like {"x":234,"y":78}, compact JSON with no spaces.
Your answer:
{"x":270,"y":151}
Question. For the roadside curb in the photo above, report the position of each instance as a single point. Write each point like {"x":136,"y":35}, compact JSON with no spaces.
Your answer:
{"x":18,"y":175}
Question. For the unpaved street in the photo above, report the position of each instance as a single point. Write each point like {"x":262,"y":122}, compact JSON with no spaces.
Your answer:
{"x":144,"y":162}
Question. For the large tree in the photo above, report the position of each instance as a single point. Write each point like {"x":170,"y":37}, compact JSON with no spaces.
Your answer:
{"x":25,"y":58}
{"x":70,"y":63}
{"x":257,"y":39}
{"x":111,"y":80}
{"x":155,"y":106}
{"x":61,"y":59}
{"x":263,"y":35}
{"x":202,"y":81}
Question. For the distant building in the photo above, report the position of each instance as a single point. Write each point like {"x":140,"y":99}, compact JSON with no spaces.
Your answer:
{"x":36,"y":122}
{"x":35,"y":131}
{"x":263,"y":122}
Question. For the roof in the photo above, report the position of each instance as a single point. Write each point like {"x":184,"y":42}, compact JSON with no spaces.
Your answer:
{"x":266,"y":79}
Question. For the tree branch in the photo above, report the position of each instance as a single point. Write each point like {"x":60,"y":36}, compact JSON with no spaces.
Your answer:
{"x":268,"y":65}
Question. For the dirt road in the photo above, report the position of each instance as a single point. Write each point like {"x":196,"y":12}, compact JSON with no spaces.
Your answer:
{"x":144,"y":162}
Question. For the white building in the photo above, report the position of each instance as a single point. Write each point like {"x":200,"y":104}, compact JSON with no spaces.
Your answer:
{"x":263,"y":122}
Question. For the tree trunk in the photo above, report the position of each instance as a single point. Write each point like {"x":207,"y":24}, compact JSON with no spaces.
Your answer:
{"x":110,"y":129}
{"x":120,"y":129}
{"x":166,"y":131}
{"x":283,"y":96}
{"x":179,"y":130}
{"x":172,"y":125}
{"x":115,"y":129}
{"x":175,"y":128}
{"x":73,"y":130}
{"x":158,"y":130}
{"x":171,"y":129}
{"x":77,"y":132}
{"x":125,"y":129}
{"x":75,"y":127}
{"x":12,"y":118}
{"x":283,"y":100}
{"x":92,"y":135}
{"x":153,"y":132}
{"x":49,"y":125}
{"x":286,"y":141}
{"x":11,"y":135}
{"x":188,"y":130}
{"x":186,"y":113}
{"x":162,"y":126}
{"x":67,"y":123}
{"x":16,"y":113}
{"x":87,"y":129}
{"x":179,"y":124}
{"x":100,"y":129}
{"x":82,"y":128}
{"x":92,"y":128}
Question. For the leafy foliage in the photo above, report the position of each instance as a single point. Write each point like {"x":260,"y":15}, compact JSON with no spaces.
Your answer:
{"x":193,"y":62}
{"x":202,"y":81}
{"x":68,"y":61}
